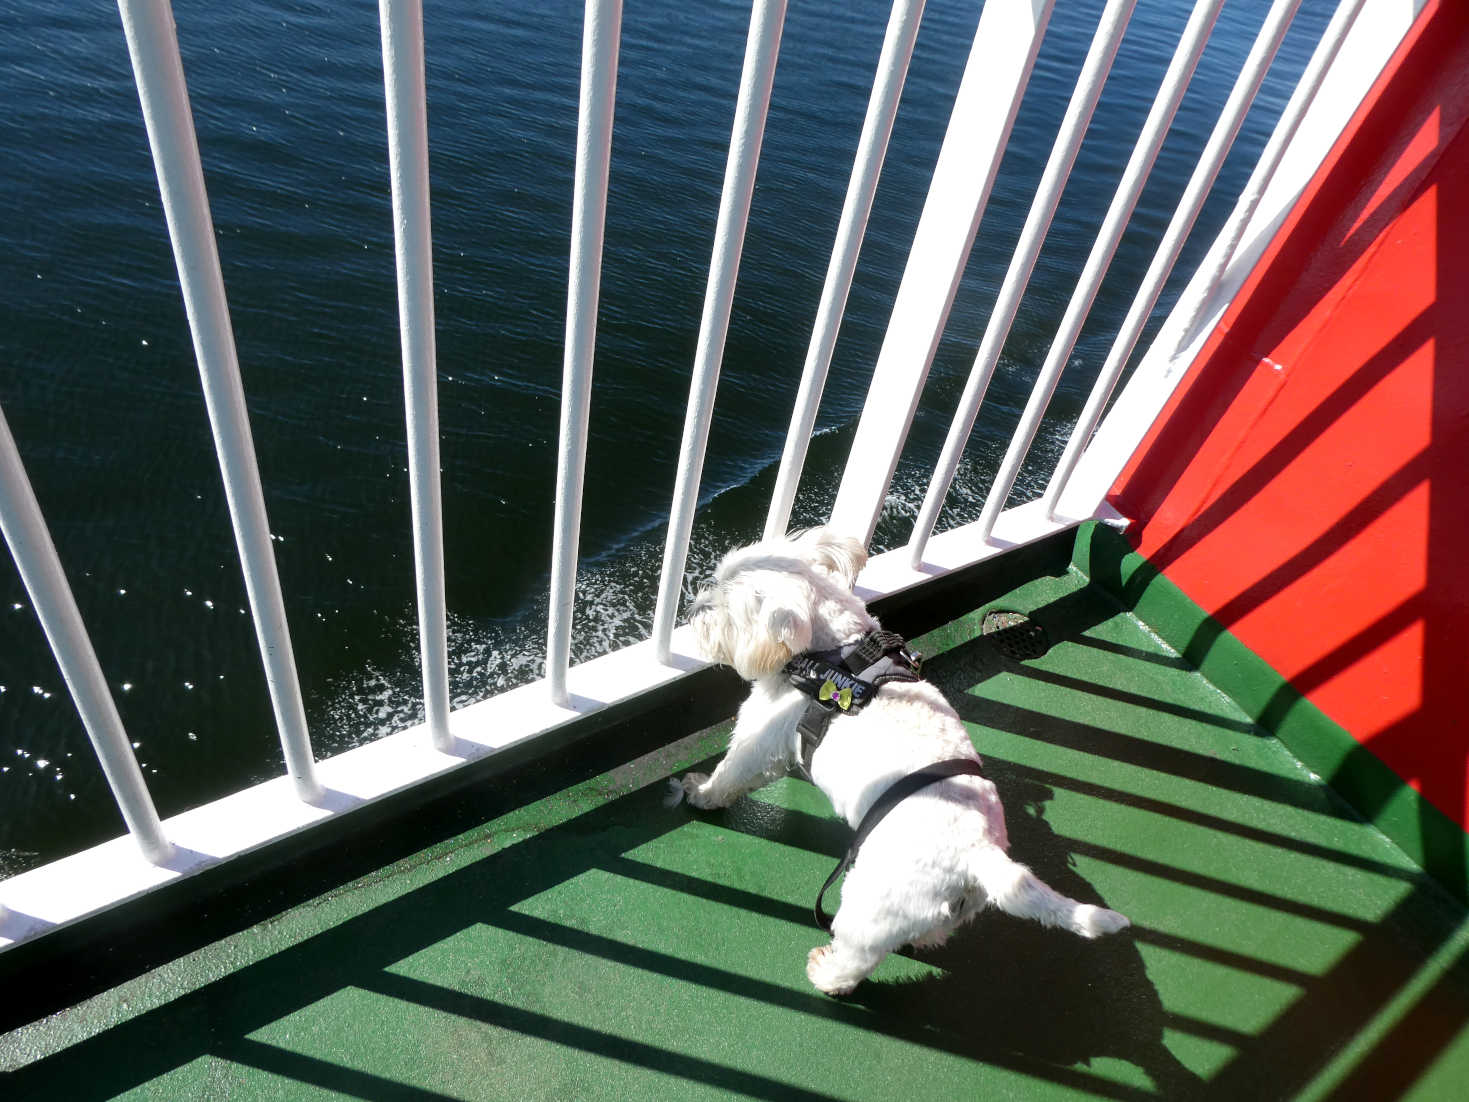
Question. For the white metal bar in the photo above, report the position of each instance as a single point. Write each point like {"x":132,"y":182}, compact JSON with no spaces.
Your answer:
{"x":1089,"y":83}
{"x":892,"y":70}
{"x":164,"y":96}
{"x":1005,"y":44}
{"x":600,"y":30}
{"x":1358,"y":59}
{"x":1301,"y":99}
{"x":40,"y":568}
{"x":403,"y":79}
{"x":1262,"y":53}
{"x":1134,"y":177}
{"x":762,"y":48}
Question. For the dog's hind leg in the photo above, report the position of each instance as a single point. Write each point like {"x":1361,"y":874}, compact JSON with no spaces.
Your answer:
{"x":1016,"y":890}
{"x":866,"y":928}
{"x":937,"y":935}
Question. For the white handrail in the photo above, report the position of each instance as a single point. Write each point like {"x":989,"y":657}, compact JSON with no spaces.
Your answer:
{"x":1005,"y":45}
{"x":1352,"y":51}
{"x":1089,"y":83}
{"x":600,"y":31}
{"x":761,"y":51}
{"x":877,"y":127}
{"x":403,"y":80}
{"x":159,"y":73}
{"x":45,"y":580}
{"x":1262,"y":53}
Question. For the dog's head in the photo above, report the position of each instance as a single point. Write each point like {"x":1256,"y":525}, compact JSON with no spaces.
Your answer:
{"x":774,"y":599}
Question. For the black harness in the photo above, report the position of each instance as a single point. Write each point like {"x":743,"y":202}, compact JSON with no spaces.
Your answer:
{"x":844,"y":681}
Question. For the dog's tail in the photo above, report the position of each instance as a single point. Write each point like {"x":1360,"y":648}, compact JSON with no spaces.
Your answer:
{"x":1016,"y":890}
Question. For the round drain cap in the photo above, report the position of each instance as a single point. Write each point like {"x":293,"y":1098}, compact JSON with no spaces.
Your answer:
{"x":1014,"y":634}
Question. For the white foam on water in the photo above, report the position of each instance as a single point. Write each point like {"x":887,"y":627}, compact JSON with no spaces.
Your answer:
{"x":615,"y":598}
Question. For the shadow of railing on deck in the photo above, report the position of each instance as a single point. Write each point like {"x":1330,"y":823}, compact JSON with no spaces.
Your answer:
{"x":1060,"y":1023}
{"x":1040,"y":1003}
{"x":1382,"y":240}
{"x":220,"y":1018}
{"x":1403,"y":169}
{"x":1344,"y":1033}
{"x":231,"y":1018}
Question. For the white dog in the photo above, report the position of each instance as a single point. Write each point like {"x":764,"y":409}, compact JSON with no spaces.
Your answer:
{"x":939,"y":856}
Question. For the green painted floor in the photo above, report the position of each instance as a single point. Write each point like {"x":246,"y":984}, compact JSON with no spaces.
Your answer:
{"x":597,"y":944}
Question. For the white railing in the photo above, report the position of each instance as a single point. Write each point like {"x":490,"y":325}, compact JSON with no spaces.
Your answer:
{"x":40,"y":568}
{"x":892,"y":69}
{"x":159,"y":73}
{"x":1010,"y":32}
{"x":407,"y":111}
{"x":588,"y":216}
{"x":1005,"y":44}
{"x":766,"y":19}
{"x":1089,"y":84}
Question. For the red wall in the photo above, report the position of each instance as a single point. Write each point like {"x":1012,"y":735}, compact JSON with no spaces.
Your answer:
{"x":1307,"y":484}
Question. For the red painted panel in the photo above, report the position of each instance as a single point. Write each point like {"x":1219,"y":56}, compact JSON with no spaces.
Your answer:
{"x":1307,"y":483}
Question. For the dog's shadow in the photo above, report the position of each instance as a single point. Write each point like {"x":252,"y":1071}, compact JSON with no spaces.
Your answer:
{"x":1012,"y":986}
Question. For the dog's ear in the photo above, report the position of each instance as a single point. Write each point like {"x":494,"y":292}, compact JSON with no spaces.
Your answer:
{"x":840,"y":556}
{"x":781,"y":630}
{"x":710,"y":621}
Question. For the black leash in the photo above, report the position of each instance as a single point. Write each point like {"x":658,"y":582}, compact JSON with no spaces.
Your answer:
{"x":898,"y":791}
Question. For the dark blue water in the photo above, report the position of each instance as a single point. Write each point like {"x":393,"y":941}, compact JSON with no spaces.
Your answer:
{"x":98,"y":381}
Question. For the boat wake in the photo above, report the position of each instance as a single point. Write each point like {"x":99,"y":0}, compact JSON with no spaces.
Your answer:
{"x":616,"y":590}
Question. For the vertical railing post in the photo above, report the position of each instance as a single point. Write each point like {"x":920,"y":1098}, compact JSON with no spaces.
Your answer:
{"x":40,"y":569}
{"x":159,"y":72}
{"x":600,"y":31}
{"x":1134,"y":178}
{"x":1262,"y":53}
{"x":1005,"y":45}
{"x":407,"y":115}
{"x":887,"y":88}
{"x":761,"y":50}
{"x":1264,"y":171}
{"x":1088,"y":91}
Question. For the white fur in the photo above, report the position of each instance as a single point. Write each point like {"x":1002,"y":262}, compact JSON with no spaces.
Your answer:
{"x":938,"y":857}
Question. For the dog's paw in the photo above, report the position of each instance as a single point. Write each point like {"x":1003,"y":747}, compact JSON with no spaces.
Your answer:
{"x":1089,"y":921}
{"x":826,"y":975}
{"x":675,"y":793}
{"x":696,"y":791}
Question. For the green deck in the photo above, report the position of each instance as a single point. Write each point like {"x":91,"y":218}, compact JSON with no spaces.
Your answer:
{"x":596,"y":944}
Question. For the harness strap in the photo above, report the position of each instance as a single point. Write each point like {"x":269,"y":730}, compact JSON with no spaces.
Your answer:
{"x":811,"y":729}
{"x":899,"y":790}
